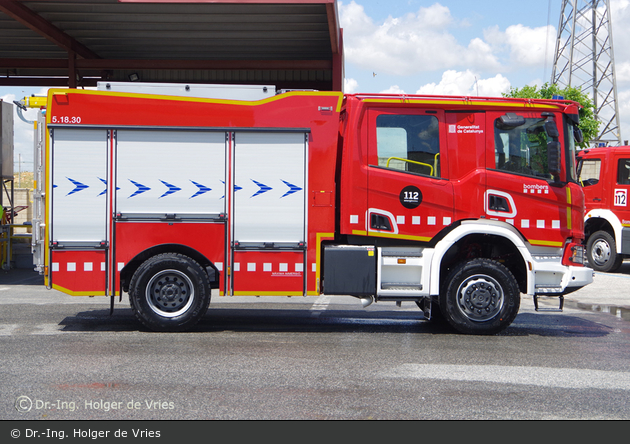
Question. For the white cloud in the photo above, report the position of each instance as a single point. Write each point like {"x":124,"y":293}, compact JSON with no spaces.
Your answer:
{"x":394,"y":89}
{"x":350,"y":86}
{"x":467,"y":83}
{"x":416,"y":42}
{"x":523,"y":45}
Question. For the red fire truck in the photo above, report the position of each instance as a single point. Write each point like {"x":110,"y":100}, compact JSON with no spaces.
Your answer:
{"x":458,"y":204}
{"x":605,"y":174}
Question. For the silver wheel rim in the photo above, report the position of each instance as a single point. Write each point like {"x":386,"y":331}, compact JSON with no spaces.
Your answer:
{"x":601,"y":252}
{"x":170,"y":293}
{"x":480,"y":297}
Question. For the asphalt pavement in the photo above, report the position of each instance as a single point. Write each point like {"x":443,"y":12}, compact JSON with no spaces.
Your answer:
{"x":609,"y":292}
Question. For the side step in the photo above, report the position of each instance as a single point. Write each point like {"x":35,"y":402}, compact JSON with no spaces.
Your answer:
{"x":560,"y":307}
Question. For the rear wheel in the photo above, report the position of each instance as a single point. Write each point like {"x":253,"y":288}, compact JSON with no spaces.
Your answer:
{"x":169,"y":292}
{"x":480,"y":297}
{"x":602,"y":252}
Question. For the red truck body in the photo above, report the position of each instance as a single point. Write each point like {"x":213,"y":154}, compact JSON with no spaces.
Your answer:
{"x":605,"y":176}
{"x":457,"y":204}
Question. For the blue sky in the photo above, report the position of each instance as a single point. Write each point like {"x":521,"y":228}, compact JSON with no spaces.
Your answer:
{"x":461,"y":47}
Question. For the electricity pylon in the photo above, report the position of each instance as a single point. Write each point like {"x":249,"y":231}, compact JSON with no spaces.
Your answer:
{"x":584,"y":59}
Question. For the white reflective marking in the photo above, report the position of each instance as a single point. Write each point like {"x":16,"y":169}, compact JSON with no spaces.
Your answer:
{"x":266,"y":266}
{"x":354,"y":219}
{"x":321,"y":303}
{"x":400,"y":220}
{"x":415,"y":220}
{"x":7,"y":329}
{"x":55,"y":266}
{"x":71,"y":266}
{"x":46,"y":329}
{"x":538,"y":376}
{"x":87,"y":266}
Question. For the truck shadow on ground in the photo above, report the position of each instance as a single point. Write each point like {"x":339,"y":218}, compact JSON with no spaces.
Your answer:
{"x":333,"y":321}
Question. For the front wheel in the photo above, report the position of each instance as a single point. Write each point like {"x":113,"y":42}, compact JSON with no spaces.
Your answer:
{"x":481,"y":297}
{"x":169,"y":292}
{"x":602,"y":252}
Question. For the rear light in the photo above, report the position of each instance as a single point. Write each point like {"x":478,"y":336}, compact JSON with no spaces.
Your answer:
{"x":574,"y":255}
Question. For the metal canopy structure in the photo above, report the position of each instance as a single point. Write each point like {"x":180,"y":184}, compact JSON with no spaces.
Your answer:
{"x":291,"y":44}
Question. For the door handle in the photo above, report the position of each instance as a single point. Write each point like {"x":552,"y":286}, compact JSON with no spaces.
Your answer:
{"x":597,"y":199}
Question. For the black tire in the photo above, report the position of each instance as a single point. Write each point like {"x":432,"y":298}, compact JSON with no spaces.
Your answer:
{"x":601,"y":251}
{"x":481,"y":297}
{"x":169,"y":292}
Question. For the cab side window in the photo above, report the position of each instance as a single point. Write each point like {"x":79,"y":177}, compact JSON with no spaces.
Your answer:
{"x":589,"y":171}
{"x":409,"y":143}
{"x":623,"y":172}
{"x":522,"y":149}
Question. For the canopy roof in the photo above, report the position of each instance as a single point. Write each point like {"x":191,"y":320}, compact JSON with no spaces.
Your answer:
{"x":290,"y":44}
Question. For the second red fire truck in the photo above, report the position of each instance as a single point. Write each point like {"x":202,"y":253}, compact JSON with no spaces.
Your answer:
{"x":458,"y":204}
{"x":605,"y":175}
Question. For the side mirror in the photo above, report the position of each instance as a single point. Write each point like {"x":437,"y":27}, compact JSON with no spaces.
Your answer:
{"x":577,"y":134}
{"x":509,"y":121}
{"x":552,"y":129}
{"x":553,"y":158}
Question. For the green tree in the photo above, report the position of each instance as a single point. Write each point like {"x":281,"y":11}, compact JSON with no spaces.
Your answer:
{"x":588,"y":123}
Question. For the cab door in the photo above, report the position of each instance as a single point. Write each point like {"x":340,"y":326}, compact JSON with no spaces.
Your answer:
{"x":621,"y":166}
{"x":521,"y":190}
{"x":620,"y":196}
{"x":409,"y":195}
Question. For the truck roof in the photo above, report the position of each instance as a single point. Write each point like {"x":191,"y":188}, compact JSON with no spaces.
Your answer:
{"x":466,"y":101}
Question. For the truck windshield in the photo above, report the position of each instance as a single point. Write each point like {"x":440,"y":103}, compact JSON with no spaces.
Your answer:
{"x":571,"y":151}
{"x":522,"y":149}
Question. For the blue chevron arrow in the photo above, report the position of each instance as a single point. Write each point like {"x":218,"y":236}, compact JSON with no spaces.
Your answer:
{"x":236,"y":188}
{"x":202,"y":189}
{"x":263,"y":188}
{"x":105,"y":190}
{"x":78,"y":186}
{"x":141,"y":188}
{"x":171,"y":189}
{"x":292,"y":188}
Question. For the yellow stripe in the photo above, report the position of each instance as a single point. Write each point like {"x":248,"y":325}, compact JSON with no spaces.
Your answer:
{"x":391,"y":235}
{"x":318,"y":258}
{"x":464,"y":102}
{"x":268,"y":293}
{"x":80,"y":293}
{"x":338,"y":95}
{"x":569,"y":200}
{"x":400,"y":236}
{"x":546,"y":243}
